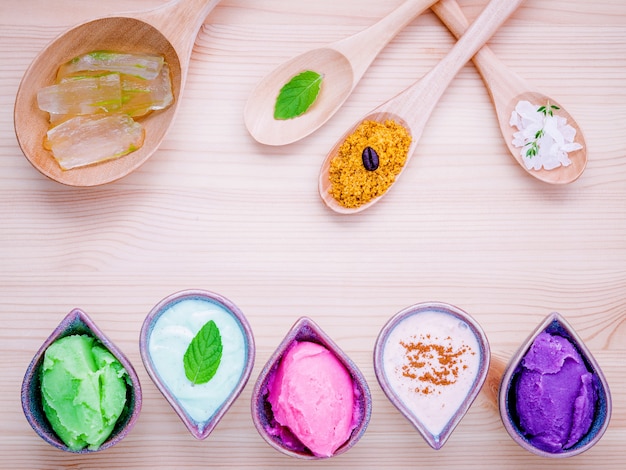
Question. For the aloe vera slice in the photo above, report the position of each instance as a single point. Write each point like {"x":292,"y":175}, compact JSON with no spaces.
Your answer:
{"x":90,"y":95}
{"x":84,"y":140}
{"x":146,"y":66}
{"x":141,"y":96}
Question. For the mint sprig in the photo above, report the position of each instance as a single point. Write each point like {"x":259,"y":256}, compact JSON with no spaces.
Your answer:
{"x":297,"y":95}
{"x":203,"y":354}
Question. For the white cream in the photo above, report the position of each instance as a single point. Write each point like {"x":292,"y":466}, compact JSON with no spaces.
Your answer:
{"x":433,"y":404}
{"x":169,"y":339}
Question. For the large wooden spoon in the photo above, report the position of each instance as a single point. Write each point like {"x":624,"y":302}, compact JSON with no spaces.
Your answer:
{"x":169,"y":30}
{"x":342,"y":65}
{"x":412,"y":107}
{"x":506,"y":89}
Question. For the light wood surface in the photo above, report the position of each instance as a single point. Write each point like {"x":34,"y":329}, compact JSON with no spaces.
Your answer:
{"x":213,"y":209}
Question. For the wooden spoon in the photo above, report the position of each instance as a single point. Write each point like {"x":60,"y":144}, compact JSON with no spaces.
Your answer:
{"x":412,"y":107}
{"x":342,"y":64}
{"x":169,"y":30}
{"x":506,"y":89}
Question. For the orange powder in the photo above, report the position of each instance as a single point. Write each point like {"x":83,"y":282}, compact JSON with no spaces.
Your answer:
{"x":352,"y":185}
{"x":433,"y":363}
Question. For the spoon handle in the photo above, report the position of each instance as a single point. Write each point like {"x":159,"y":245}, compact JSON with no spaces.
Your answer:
{"x":501,"y":82}
{"x":179,"y":21}
{"x":506,"y":88}
{"x":374,"y":38}
{"x":425,"y":93}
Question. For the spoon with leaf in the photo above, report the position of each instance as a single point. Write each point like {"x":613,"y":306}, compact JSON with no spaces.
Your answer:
{"x":169,"y":30}
{"x":338,"y":67}
{"x":413,"y":107}
{"x":506,"y":88}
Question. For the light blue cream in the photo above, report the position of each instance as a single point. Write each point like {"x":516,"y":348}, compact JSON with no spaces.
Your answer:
{"x":171,"y":334}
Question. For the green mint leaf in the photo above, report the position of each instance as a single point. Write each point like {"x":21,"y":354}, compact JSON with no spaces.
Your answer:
{"x":203,"y":354}
{"x":297,"y":95}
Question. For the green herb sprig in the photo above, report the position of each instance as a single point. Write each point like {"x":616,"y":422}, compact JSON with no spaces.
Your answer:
{"x":297,"y":95}
{"x":203,"y":355}
{"x":533,"y":146}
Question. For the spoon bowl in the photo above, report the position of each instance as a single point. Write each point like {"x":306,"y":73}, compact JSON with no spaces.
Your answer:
{"x":412,"y":107}
{"x":335,"y":69}
{"x":341,"y":64}
{"x":169,"y":31}
{"x":379,"y":115}
{"x":506,"y":88}
{"x":560,"y":175}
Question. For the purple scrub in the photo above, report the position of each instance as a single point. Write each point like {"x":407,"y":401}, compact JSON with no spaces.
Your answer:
{"x":555,"y":394}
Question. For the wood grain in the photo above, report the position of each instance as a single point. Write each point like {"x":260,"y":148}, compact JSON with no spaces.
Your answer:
{"x":213,"y":209}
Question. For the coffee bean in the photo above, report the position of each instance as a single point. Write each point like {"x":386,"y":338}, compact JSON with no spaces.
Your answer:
{"x":370,"y":159}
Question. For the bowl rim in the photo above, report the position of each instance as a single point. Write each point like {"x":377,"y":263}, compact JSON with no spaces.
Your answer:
{"x":307,"y":330}
{"x":435,"y":441}
{"x":557,"y":322}
{"x":76,"y":321}
{"x":199,"y":429}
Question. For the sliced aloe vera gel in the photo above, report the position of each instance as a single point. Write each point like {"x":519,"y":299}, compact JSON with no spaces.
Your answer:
{"x":94,"y":104}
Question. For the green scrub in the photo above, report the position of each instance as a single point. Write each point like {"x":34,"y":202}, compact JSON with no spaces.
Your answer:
{"x":83,"y":389}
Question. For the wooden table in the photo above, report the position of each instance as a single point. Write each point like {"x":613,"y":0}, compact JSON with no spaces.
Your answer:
{"x":213,"y":209}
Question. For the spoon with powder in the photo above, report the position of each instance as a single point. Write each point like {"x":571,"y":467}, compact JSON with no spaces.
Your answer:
{"x":506,"y":89}
{"x":341,"y":65}
{"x":169,"y":30}
{"x":412,"y":108}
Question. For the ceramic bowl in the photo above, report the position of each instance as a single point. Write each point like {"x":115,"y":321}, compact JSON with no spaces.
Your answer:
{"x":77,"y":322}
{"x":408,"y":358}
{"x":306,"y":330}
{"x":214,"y":398}
{"x":554,"y":324}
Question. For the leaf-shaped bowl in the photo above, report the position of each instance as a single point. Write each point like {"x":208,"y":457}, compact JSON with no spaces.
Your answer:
{"x":77,"y":322}
{"x":554,"y":324}
{"x":165,"y":335}
{"x":431,"y":359}
{"x":279,"y":437}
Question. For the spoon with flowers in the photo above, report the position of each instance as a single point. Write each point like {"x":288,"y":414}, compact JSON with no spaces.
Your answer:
{"x":564,"y":155}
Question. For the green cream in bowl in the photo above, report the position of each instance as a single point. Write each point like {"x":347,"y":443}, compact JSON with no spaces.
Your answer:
{"x":80,"y":393}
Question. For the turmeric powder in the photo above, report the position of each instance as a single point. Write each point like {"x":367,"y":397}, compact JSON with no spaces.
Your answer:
{"x":352,"y":184}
